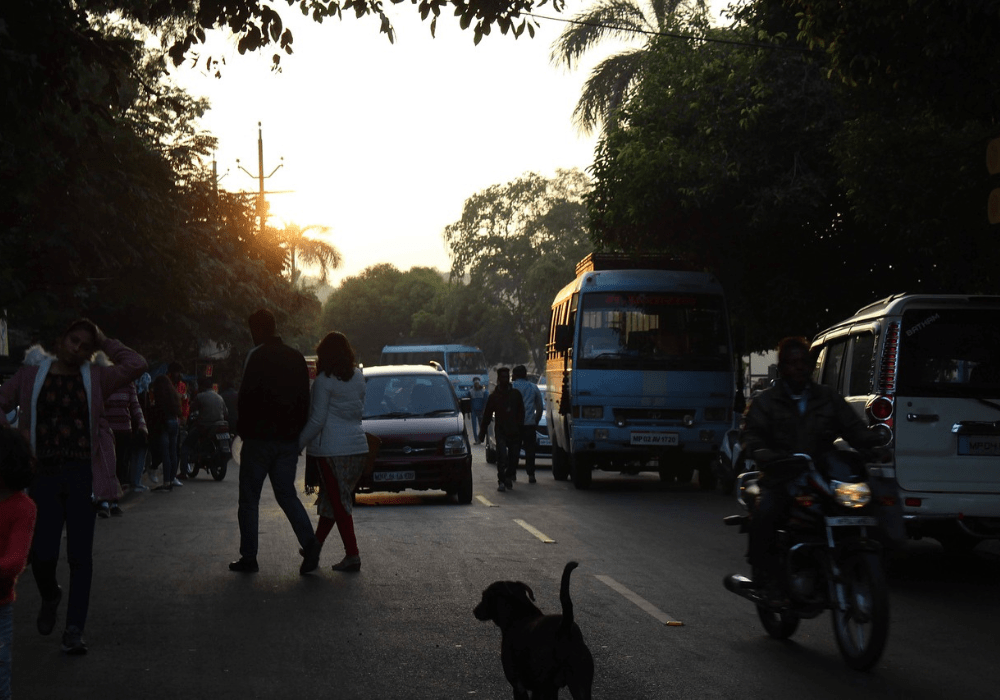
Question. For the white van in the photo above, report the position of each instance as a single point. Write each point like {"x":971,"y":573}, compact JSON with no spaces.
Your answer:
{"x":927,"y":367}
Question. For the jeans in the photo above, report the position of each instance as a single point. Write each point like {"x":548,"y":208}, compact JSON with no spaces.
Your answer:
{"x":528,"y":443}
{"x":507,"y":452}
{"x":167,"y":440}
{"x":768,"y":514}
{"x":138,"y":458}
{"x":476,"y":417}
{"x":6,"y":638}
{"x":277,"y":460}
{"x":63,"y":500}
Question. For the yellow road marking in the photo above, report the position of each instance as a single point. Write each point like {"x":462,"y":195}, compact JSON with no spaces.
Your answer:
{"x":643,"y":604}
{"x":540,"y":535}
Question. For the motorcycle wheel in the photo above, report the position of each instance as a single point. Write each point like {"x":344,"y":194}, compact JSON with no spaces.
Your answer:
{"x":778,"y":624}
{"x":219,"y":468}
{"x":192,"y":470}
{"x":861,"y":630}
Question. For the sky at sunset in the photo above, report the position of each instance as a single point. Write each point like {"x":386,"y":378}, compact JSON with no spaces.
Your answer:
{"x":384,"y":142}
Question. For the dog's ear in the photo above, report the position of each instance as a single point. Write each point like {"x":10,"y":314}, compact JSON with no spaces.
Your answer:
{"x":519,"y":589}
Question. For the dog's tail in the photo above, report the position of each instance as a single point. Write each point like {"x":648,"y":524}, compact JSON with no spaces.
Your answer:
{"x":567,"y":604}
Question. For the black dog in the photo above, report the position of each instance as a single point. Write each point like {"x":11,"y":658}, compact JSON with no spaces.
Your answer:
{"x":540,"y":653}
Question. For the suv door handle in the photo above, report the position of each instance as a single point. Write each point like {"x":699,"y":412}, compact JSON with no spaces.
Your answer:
{"x":922,"y":417}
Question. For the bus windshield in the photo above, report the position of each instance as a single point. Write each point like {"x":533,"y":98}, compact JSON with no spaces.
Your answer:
{"x":466,"y":362}
{"x":653,"y":331}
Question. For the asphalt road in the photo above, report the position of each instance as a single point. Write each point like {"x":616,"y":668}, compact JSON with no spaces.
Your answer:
{"x":169,"y":620}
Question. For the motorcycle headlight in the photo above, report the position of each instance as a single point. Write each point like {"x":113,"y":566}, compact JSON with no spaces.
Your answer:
{"x":852,"y":495}
{"x":454,"y":445}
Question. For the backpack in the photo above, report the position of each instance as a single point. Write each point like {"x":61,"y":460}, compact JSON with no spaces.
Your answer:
{"x":510,"y":414}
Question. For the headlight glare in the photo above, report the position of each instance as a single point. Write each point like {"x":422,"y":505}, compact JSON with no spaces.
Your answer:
{"x":852,"y":495}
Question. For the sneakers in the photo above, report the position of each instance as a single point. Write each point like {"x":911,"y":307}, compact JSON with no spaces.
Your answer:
{"x":177,"y":482}
{"x":72,"y":641}
{"x":348,"y":564}
{"x":140,"y":488}
{"x":245,"y":565}
{"x":46,"y":621}
{"x":103,"y":510}
{"x":501,"y":488}
{"x":164,"y":488}
{"x":116,"y":510}
{"x":310,"y":557}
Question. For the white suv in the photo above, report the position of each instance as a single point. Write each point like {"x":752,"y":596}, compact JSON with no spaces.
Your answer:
{"x":927,"y":367}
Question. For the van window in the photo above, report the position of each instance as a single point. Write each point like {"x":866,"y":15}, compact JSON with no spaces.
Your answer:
{"x":862,"y":355}
{"x":949,"y":352}
{"x":834,"y":362}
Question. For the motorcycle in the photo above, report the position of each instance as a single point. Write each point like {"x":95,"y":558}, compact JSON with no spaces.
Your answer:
{"x":211,"y":452}
{"x":831,"y":555}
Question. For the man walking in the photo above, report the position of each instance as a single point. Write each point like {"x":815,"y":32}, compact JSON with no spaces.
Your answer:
{"x":506,"y":405}
{"x":273,"y":407}
{"x":533,"y":407}
{"x":477,"y":395}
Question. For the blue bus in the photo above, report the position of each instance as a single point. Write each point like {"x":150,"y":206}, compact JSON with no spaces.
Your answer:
{"x":461,"y":362}
{"x":640,"y":371}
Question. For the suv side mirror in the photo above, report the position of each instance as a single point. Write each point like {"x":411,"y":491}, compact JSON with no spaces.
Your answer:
{"x":563,"y":337}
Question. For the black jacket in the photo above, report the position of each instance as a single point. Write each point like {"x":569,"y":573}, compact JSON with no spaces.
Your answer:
{"x":773,"y":422}
{"x":274,"y":395}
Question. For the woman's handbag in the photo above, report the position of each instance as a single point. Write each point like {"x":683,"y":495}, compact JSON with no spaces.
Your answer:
{"x":374,"y":443}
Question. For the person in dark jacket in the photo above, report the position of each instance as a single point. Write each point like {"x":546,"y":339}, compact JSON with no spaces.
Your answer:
{"x":166,"y":419}
{"x":273,"y":407}
{"x":794,"y":416}
{"x":507,"y":406}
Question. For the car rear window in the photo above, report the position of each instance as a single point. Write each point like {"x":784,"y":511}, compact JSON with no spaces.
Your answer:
{"x":950,"y":352}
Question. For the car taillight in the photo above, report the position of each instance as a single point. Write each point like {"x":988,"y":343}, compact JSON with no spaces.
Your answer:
{"x":881,"y":408}
{"x":890,"y":358}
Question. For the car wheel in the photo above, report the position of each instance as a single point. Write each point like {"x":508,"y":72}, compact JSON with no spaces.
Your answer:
{"x":464,"y":492}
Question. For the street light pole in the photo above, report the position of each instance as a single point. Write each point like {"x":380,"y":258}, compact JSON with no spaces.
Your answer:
{"x":261,"y":209}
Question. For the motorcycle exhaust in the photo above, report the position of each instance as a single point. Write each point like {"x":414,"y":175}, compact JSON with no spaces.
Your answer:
{"x":741,"y":586}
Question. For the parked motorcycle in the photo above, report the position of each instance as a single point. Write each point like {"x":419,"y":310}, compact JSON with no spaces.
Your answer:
{"x":211,"y":452}
{"x":831,"y":555}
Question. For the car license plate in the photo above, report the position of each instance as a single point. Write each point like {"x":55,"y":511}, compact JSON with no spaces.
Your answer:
{"x":393,"y":476}
{"x":979,"y":445}
{"x":849,"y":520}
{"x":646,"y":438}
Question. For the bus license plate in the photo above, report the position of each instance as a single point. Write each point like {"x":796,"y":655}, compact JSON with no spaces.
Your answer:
{"x":855,"y":520}
{"x":665,"y":439}
{"x":393,"y":476}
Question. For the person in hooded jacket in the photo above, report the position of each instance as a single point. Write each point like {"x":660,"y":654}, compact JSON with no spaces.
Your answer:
{"x":61,"y":407}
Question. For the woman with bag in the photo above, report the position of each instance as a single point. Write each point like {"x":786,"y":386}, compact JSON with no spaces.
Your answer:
{"x":335,"y":440}
{"x":61,"y":404}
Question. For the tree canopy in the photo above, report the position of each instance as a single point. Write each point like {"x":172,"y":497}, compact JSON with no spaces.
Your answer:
{"x":519,"y":243}
{"x":809,"y":192}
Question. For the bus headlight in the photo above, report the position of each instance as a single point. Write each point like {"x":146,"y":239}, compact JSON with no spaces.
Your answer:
{"x":851,"y":495}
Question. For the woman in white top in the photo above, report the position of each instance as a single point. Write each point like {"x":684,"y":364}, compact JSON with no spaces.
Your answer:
{"x":334,"y":438}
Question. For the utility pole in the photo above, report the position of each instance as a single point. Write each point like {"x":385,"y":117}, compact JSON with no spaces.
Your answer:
{"x":261,"y":203}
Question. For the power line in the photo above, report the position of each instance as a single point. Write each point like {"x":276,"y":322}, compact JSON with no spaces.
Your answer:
{"x":671,"y":35}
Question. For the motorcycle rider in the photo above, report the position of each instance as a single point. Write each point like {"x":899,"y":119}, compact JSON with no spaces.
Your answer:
{"x":796,"y":415}
{"x":207,"y":409}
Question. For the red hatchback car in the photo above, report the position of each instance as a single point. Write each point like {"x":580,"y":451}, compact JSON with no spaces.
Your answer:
{"x":413,"y":409}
